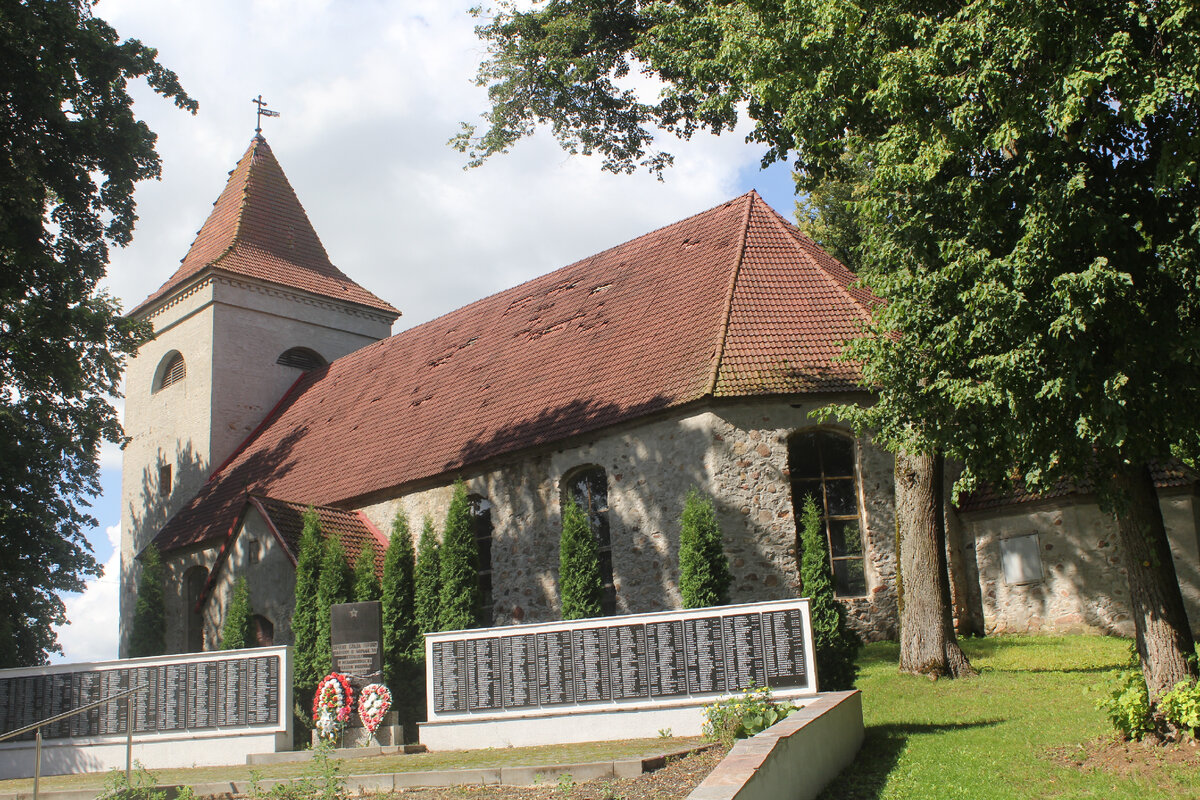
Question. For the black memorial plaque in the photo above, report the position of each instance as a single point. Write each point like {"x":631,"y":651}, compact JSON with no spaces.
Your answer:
{"x":556,"y":670}
{"x":627,"y":661}
{"x":449,"y":676}
{"x":783,"y":647}
{"x":589,"y":651}
{"x":356,"y":644}
{"x":665,"y":659}
{"x":483,"y":674}
{"x":518,"y":676}
{"x":170,"y":697}
{"x":703,"y":644}
{"x":743,"y":651}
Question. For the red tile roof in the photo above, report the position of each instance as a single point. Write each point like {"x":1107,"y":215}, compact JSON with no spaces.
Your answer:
{"x":732,"y":302}
{"x":351,"y":527}
{"x":258,"y":229}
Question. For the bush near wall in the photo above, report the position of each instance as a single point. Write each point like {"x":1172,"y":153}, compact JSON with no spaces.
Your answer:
{"x":580,"y":586}
{"x":148,"y":636}
{"x":704,"y":576}
{"x":459,"y":601}
{"x":836,"y":646}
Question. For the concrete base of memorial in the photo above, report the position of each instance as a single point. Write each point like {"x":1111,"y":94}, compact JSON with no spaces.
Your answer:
{"x":100,"y":755}
{"x":575,"y":724}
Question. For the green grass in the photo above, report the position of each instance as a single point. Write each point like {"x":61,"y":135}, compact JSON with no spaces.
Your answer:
{"x":992,"y":736}
{"x":415,"y":762}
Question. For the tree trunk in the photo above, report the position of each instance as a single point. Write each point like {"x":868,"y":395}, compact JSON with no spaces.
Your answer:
{"x":1164,"y":638}
{"x":928,"y":645}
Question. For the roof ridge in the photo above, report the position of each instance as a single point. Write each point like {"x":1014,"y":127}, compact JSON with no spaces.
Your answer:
{"x":803,"y":244}
{"x":723,"y":332}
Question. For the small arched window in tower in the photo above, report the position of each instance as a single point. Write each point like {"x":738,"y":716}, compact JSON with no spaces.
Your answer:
{"x":301,"y":358}
{"x":193,"y":589}
{"x":172,"y":369}
{"x":822,"y":465}
{"x":589,"y":488}
{"x":481,"y":526}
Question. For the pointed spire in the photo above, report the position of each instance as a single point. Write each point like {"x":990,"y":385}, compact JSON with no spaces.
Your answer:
{"x":258,"y":229}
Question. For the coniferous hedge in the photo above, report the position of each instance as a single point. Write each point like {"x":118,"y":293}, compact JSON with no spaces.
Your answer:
{"x":425,"y":582}
{"x":334,"y":587}
{"x":235,"y":631}
{"x":304,"y":617}
{"x":580,"y":584}
{"x":459,"y":600}
{"x":366,"y":582}
{"x":835,"y":645}
{"x":147,"y":636}
{"x":703,"y":567}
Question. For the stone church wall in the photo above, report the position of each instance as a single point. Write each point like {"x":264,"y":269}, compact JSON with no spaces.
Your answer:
{"x":1083,"y":587}
{"x":736,"y":452}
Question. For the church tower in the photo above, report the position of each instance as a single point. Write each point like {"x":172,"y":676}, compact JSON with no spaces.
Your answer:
{"x":254,"y":304}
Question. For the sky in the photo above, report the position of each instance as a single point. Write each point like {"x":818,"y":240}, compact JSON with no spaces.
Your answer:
{"x":368,"y":93}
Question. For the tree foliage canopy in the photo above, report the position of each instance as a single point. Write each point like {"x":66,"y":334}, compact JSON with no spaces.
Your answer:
{"x":366,"y":582}
{"x":73,"y":151}
{"x":428,"y":574}
{"x":305,"y":629}
{"x":400,"y":635}
{"x":148,"y":634}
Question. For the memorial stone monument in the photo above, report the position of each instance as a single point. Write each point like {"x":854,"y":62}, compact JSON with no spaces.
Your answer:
{"x":356,"y":645}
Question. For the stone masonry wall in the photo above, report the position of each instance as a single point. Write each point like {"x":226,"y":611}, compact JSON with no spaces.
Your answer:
{"x":1084,"y":586}
{"x":735,"y":452}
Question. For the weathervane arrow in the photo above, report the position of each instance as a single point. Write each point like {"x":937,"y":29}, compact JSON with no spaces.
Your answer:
{"x":263,"y":111}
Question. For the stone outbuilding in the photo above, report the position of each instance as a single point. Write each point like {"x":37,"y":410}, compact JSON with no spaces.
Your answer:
{"x":692,"y":356}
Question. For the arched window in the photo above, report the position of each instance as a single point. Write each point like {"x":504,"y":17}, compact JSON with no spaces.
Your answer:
{"x":481,"y":526}
{"x":589,"y":487}
{"x":172,"y":369}
{"x":193,"y":588}
{"x":300,"y":358}
{"x":262,"y":632}
{"x":822,"y":465}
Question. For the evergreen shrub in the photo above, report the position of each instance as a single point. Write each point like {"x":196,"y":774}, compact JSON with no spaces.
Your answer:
{"x":366,"y":582}
{"x":425,"y":583}
{"x":148,"y":634}
{"x":580,"y":585}
{"x":304,"y":616}
{"x":835,"y":644}
{"x":235,"y":631}
{"x":703,"y":566}
{"x":334,"y":586}
{"x":459,"y":601}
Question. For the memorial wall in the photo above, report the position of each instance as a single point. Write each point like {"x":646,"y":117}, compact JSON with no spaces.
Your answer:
{"x":651,"y":659}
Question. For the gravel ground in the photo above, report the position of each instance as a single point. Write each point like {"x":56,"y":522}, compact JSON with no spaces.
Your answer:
{"x":675,"y":781}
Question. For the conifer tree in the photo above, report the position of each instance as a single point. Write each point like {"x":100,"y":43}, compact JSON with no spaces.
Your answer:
{"x":235,"y":632}
{"x":835,"y":645}
{"x":425,"y":583}
{"x":399,"y":622}
{"x":334,"y":587}
{"x":459,"y":601}
{"x":304,"y":618}
{"x":148,"y":635}
{"x":703,"y":567}
{"x":579,"y":580}
{"x":366,"y":582}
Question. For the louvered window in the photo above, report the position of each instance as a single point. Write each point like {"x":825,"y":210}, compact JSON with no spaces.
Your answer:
{"x":172,"y":370}
{"x":300,"y":358}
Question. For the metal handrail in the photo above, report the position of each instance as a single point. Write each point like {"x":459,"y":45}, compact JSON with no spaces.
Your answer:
{"x":37,"y":727}
{"x":71,"y":713}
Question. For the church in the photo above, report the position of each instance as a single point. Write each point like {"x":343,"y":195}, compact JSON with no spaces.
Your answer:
{"x":690,"y":357}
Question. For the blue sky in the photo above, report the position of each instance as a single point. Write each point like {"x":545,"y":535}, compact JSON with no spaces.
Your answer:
{"x":369,"y":92}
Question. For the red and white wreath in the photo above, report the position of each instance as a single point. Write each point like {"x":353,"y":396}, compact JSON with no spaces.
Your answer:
{"x":332,"y":704}
{"x":373,"y":704}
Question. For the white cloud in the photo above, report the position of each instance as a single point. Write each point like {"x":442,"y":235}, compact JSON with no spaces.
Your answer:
{"x":91,"y":634}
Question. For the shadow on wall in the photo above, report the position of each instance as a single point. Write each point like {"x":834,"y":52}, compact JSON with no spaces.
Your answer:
{"x":56,"y":760}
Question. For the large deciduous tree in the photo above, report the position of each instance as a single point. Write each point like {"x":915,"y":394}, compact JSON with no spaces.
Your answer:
{"x":1027,"y":211}
{"x":73,"y":151}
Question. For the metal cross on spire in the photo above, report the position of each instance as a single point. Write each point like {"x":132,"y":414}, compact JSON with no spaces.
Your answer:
{"x":263,"y":111}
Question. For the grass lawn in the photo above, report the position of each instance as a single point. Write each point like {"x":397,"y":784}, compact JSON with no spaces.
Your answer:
{"x":1009,"y":733}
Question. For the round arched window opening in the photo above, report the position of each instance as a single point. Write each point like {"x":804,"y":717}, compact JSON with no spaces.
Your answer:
{"x":172,"y":369}
{"x":301,"y":358}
